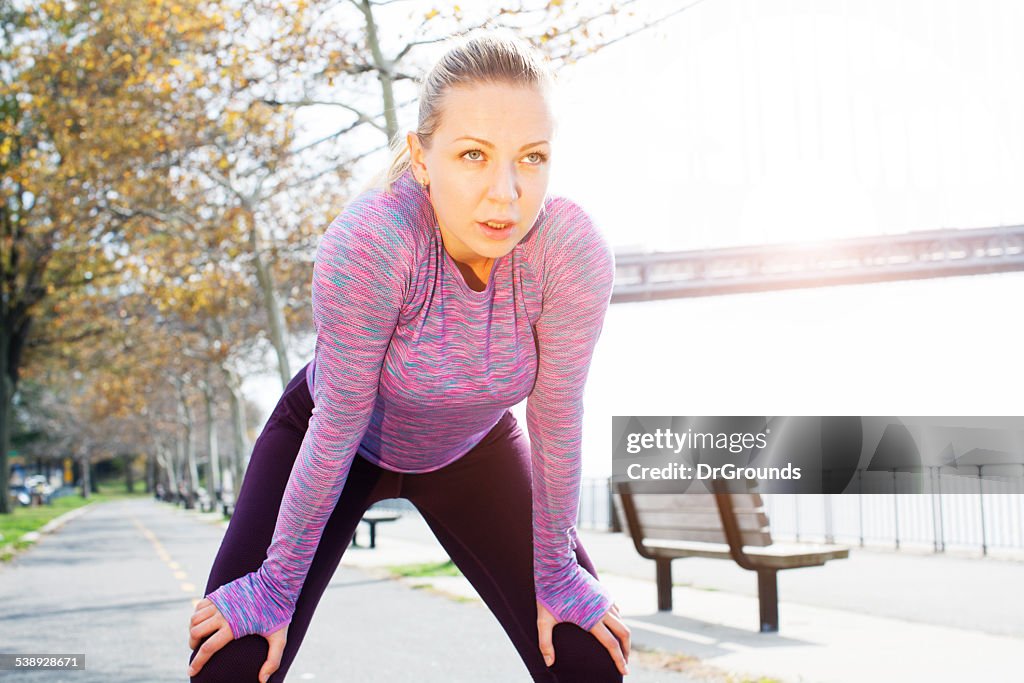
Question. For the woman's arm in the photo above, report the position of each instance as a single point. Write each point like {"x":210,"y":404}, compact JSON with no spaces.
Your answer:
{"x":579,"y":272}
{"x":360,"y":279}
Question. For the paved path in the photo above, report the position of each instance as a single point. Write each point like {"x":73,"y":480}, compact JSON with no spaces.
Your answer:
{"x":118,"y":583}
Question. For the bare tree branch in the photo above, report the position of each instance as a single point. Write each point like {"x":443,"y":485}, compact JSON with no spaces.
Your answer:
{"x":647,"y":25}
{"x":329,"y":169}
{"x":363,"y":117}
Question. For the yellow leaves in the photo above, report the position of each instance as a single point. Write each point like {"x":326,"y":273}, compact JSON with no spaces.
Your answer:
{"x":431,"y":14}
{"x":174,"y":61}
{"x":54,"y":10}
{"x":549,"y":34}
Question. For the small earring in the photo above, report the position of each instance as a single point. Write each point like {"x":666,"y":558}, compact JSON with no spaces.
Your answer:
{"x":424,"y":183}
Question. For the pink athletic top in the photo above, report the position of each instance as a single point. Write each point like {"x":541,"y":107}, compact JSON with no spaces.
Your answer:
{"x":405,"y":348}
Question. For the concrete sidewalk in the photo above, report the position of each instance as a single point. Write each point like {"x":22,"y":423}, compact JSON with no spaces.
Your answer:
{"x":878,"y":616}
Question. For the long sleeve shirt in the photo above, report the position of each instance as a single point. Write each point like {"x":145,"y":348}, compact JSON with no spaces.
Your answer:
{"x":412,"y":368}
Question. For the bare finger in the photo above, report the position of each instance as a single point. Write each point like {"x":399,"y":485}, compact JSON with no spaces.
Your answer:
{"x":215,"y":642}
{"x":202,"y":613}
{"x":605,"y":637}
{"x":201,"y":630}
{"x":547,"y":648}
{"x":618,"y":627}
{"x":274,"y":654}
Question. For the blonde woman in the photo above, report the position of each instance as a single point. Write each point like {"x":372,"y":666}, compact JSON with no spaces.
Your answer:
{"x":441,"y":298}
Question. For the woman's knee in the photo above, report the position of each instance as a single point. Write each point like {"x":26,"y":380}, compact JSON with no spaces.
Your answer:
{"x":237,"y":662}
{"x":580,"y":657}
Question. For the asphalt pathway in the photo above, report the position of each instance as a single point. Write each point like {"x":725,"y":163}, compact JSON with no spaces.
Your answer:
{"x":118,"y":583}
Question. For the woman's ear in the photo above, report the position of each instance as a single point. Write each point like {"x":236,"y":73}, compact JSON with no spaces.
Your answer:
{"x":416,"y":154}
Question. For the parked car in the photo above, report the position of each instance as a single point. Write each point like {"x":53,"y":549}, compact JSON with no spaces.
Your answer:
{"x":21,"y":495}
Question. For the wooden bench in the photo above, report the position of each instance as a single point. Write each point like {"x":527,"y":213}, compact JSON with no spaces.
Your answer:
{"x":373,"y":518}
{"x":722,"y":526}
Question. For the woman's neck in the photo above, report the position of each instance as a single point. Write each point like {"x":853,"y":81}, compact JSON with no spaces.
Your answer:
{"x":476,"y":277}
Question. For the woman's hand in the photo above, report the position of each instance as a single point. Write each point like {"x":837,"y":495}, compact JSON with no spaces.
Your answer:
{"x":611,"y":632}
{"x":207,"y":619}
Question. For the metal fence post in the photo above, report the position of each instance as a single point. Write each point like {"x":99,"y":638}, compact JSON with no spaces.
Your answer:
{"x":981,"y":506}
{"x":860,"y":504}
{"x":613,"y":519}
{"x":829,"y":532}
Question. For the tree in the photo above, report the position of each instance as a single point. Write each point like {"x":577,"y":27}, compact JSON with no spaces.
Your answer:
{"x":88,"y":111}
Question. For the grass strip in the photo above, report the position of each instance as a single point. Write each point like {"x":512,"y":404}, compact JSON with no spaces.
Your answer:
{"x":426,"y":569}
{"x":22,"y":520}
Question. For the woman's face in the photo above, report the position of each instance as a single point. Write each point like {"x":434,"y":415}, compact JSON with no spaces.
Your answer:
{"x":501,"y":175}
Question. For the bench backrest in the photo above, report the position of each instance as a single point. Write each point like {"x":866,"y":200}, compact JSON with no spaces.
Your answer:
{"x":693,"y":516}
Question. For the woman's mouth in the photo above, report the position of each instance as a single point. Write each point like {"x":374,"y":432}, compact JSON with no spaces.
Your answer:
{"x":496,"y":230}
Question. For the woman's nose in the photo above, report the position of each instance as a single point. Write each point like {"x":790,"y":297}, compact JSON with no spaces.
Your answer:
{"x":504,"y":186}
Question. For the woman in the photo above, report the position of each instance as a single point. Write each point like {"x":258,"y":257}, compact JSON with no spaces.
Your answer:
{"x":440,"y":300}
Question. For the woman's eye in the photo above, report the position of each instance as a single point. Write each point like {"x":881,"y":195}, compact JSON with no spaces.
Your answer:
{"x":472,"y":151}
{"x":540,"y":158}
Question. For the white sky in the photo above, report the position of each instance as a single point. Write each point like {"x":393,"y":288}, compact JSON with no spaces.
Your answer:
{"x":748,"y":121}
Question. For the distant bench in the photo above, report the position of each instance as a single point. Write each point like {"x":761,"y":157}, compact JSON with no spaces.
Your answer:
{"x":720,"y":526}
{"x":373,"y":518}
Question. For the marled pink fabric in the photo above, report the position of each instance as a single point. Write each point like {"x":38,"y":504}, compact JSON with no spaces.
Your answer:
{"x":412,"y":368}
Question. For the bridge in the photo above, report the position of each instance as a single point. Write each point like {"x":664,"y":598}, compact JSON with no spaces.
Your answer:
{"x":647,"y":276}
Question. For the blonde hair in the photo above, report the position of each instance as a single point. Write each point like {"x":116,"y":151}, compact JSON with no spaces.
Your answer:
{"x":480,"y":56}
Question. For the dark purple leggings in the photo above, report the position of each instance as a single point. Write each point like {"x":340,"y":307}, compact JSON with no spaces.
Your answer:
{"x":479,"y":507}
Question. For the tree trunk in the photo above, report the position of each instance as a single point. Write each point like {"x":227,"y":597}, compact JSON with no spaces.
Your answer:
{"x":213,"y":477}
{"x":383,"y":71}
{"x":150,"y":472}
{"x":6,"y":418}
{"x":166,"y":460}
{"x":275,"y":317}
{"x":129,"y":478}
{"x":83,"y":460}
{"x":238,"y":428}
{"x":13,"y":334}
{"x":187,"y":450}
{"x":184,"y":486}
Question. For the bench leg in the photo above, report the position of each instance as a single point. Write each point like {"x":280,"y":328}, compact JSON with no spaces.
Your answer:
{"x":373,"y":534}
{"x":768,"y":599}
{"x":664,"y":578}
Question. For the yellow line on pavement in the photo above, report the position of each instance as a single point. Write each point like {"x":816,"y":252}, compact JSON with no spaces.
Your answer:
{"x":175,"y":567}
